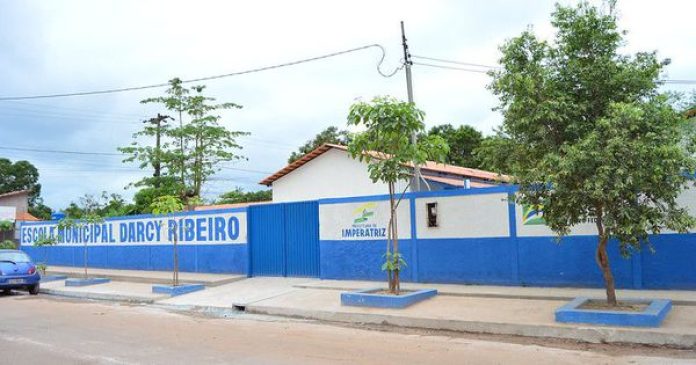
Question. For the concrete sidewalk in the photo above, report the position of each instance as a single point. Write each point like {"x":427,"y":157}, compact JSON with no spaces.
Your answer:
{"x":151,"y":277}
{"x":464,"y":308}
{"x":678,"y":297}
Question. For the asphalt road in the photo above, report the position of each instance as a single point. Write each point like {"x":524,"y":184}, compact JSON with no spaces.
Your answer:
{"x":43,"y":330}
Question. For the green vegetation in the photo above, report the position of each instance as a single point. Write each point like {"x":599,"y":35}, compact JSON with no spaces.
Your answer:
{"x":166,"y":205}
{"x":238,"y":195}
{"x":588,"y":135}
{"x":389,"y":124}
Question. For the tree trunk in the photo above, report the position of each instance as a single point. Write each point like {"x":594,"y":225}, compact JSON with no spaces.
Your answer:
{"x":175,"y":278}
{"x":603,"y":259}
{"x":395,"y":284}
{"x":85,"y":259}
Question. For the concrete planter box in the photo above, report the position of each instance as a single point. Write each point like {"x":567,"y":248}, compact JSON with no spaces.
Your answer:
{"x":651,"y":316}
{"x":176,"y":290}
{"x":368,"y":298}
{"x":86,"y":281}
{"x":47,"y":278}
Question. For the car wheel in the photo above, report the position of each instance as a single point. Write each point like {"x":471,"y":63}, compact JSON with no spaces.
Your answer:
{"x":34,"y":289}
{"x":7,"y":291}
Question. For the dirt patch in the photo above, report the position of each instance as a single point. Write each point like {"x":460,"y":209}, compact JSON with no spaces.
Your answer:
{"x":387,"y":292}
{"x":620,"y":307}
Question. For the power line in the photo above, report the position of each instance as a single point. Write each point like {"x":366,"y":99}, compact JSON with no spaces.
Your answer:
{"x":454,"y":62}
{"x":450,"y":67}
{"x":60,"y":151}
{"x":208,"y":78}
{"x":666,"y":81}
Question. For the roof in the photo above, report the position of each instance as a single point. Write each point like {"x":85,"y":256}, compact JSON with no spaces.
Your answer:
{"x":26,"y":217}
{"x":230,"y":206}
{"x":430,"y":166}
{"x":456,"y":182}
{"x":13,"y":193}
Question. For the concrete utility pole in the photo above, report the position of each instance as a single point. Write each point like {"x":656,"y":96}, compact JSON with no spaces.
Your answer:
{"x":156,"y":163}
{"x":416,"y":184}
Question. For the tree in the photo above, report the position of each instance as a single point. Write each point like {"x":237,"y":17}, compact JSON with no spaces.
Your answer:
{"x":463,"y":141}
{"x":6,"y":226}
{"x":143,"y":198}
{"x":22,"y":175}
{"x":166,"y":205}
{"x":385,"y":145}
{"x":104,"y":205}
{"x":192,"y":151}
{"x":238,"y":195}
{"x":588,"y":136}
{"x":328,"y":135}
{"x":89,"y":217}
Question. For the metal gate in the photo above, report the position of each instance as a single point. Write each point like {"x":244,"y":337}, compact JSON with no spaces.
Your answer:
{"x":284,"y":239}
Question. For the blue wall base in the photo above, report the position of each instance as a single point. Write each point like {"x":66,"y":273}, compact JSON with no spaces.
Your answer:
{"x":176,"y":290}
{"x":47,"y":278}
{"x":652,"y":316}
{"x":367,"y":298}
{"x":86,"y":281}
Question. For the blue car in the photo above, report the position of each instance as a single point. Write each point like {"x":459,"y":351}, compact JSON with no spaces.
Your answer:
{"x":18,"y":272}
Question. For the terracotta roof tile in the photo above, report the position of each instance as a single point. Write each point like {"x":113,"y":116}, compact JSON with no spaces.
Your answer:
{"x":429,"y":165}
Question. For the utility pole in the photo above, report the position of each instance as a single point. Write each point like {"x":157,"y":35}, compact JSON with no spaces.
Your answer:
{"x":157,"y":163}
{"x":409,"y":88}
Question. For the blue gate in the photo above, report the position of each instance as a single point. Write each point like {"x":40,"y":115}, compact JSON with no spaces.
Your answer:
{"x":284,"y":239}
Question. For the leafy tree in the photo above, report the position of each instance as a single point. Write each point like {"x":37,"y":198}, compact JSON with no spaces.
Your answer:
{"x":588,"y":136}
{"x":166,"y":205}
{"x":329,"y":135}
{"x":105,"y":205}
{"x":238,"y":195}
{"x":389,"y":124}
{"x":143,"y":198}
{"x":192,"y":151}
{"x":463,"y":141}
{"x":20,"y":175}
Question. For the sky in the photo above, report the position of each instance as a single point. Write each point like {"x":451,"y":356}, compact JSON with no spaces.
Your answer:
{"x":67,"y":46}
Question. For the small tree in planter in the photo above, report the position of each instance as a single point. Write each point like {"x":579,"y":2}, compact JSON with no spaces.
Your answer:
{"x":166,"y":205}
{"x":45,"y":242}
{"x":88,"y":219}
{"x":386,"y":146}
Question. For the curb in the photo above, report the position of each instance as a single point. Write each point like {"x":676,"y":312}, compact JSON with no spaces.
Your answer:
{"x":99,"y":296}
{"x":576,"y":333}
{"x":483,"y":295}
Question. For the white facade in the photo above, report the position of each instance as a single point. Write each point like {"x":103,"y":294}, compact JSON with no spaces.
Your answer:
{"x":333,"y":174}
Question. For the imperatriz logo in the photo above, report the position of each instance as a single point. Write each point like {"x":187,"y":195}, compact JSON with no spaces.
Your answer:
{"x":364,"y":212}
{"x":364,"y":225}
{"x":533,"y":215}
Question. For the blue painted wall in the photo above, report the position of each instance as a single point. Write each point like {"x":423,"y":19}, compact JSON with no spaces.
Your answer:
{"x":513,"y":260}
{"x":192,"y":258}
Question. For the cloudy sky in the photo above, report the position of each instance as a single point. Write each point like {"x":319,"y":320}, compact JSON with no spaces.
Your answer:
{"x":66,"y":46}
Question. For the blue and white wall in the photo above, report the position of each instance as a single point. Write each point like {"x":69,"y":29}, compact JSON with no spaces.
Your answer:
{"x":208,"y":241}
{"x":483,"y":238}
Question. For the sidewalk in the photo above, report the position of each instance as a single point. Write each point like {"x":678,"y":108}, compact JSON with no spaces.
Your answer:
{"x":464,"y":308}
{"x":151,"y":277}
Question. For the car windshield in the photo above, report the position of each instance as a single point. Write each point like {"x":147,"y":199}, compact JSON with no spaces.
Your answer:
{"x":14,"y":257}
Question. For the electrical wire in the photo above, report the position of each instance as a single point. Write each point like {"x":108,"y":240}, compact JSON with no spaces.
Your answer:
{"x":449,"y":67}
{"x":214,"y":77}
{"x":666,"y":81}
{"x":454,"y":62}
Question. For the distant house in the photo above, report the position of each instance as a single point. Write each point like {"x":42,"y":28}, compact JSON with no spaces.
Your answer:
{"x":330,"y":172}
{"x":18,"y":201}
{"x":14,"y":206}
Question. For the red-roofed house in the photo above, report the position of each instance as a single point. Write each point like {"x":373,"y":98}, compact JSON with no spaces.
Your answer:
{"x":330,"y":172}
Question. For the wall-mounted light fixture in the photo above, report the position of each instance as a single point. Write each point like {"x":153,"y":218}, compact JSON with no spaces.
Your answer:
{"x":432,"y":214}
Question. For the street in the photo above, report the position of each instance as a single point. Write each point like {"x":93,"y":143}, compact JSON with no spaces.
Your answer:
{"x":47,"y":330}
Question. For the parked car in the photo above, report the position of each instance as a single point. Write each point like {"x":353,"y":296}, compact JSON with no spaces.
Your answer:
{"x":17,"y":271}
